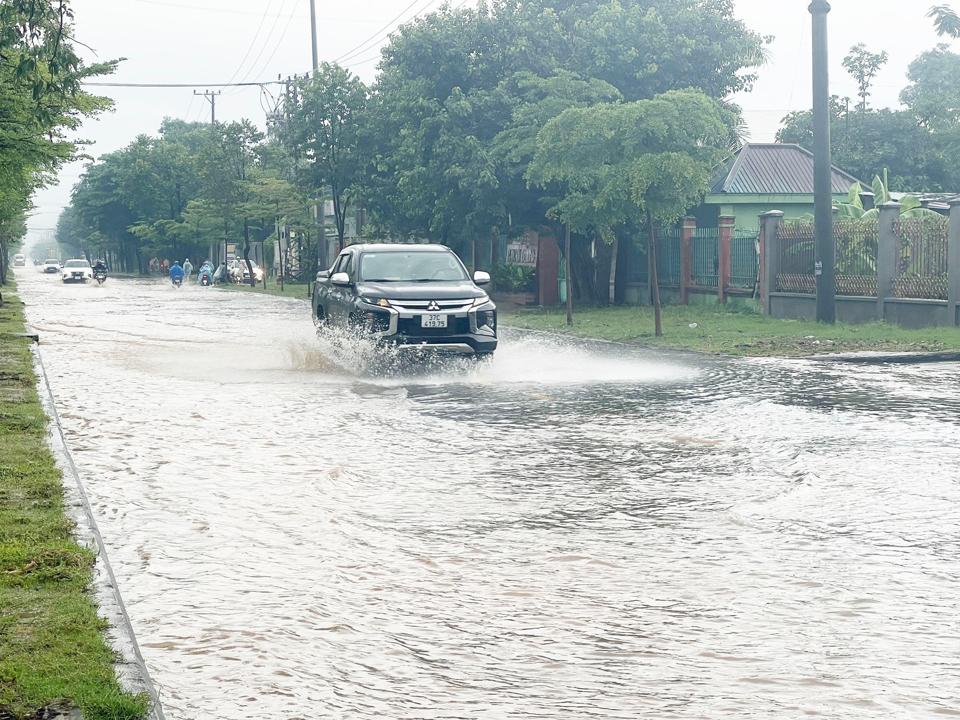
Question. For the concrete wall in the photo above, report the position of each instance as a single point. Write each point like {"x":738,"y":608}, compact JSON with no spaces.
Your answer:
{"x":904,"y":312}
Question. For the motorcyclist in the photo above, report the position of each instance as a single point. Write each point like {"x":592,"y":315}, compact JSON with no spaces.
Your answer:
{"x":100,"y":266}
{"x":206,"y":270}
{"x":187,"y":268}
{"x":176,"y":272}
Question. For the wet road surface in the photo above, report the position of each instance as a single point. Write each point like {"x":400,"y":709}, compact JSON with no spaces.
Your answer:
{"x":573,"y":531}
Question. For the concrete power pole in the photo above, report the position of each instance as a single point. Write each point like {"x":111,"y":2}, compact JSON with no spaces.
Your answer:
{"x":822,"y":170}
{"x":313,"y":34}
{"x":211,"y":97}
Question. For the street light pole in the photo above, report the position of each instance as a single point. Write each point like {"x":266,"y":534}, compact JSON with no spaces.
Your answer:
{"x":822,"y":169}
{"x":313,"y":34}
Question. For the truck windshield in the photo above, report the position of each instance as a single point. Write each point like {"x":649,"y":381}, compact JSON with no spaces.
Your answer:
{"x":411,"y":267}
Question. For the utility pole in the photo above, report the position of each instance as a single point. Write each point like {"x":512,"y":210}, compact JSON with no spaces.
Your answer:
{"x":211,"y":97}
{"x":568,"y":270}
{"x":825,"y":267}
{"x":313,"y":34}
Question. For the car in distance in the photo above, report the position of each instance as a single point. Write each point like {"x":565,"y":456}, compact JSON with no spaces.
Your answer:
{"x":19,"y":260}
{"x":76,"y":271}
{"x":415,"y":296}
{"x":51,"y":265}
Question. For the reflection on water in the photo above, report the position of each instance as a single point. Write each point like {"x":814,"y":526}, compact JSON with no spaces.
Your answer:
{"x":570,"y":531}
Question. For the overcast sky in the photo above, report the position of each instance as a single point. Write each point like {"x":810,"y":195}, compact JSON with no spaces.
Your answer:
{"x":217,"y":41}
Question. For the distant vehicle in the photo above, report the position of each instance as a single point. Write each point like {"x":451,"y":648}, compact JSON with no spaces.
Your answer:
{"x":411,"y":295}
{"x":76,"y":271}
{"x":240,"y":273}
{"x":51,"y":265}
{"x":205,"y":274}
{"x":19,"y":260}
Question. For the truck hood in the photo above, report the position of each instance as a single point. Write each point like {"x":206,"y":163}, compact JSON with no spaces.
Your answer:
{"x":420,"y":290}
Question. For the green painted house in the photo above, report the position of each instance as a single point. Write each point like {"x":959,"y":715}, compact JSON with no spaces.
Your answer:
{"x":762,"y":177}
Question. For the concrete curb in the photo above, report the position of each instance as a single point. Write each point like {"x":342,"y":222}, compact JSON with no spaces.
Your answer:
{"x":919,"y":358}
{"x":131,"y":668}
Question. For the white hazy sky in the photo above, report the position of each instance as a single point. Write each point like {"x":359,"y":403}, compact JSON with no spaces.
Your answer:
{"x":211,"y":41}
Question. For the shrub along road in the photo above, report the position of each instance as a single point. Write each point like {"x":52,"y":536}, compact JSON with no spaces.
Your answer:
{"x":52,"y":649}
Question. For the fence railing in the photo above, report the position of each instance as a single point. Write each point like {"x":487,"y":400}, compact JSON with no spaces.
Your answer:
{"x":921,"y":262}
{"x":668,"y":257}
{"x":744,"y":260}
{"x":920,"y":269}
{"x":705,"y":255}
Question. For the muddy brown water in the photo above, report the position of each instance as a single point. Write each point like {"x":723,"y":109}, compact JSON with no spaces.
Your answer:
{"x":574,"y":531}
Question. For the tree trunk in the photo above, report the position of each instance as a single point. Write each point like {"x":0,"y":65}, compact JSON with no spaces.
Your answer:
{"x":246,"y":252}
{"x":654,"y":280}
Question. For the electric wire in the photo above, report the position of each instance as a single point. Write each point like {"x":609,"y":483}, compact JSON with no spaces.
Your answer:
{"x":283,"y":36}
{"x":267,"y":40}
{"x":253,"y":42}
{"x":370,"y":41}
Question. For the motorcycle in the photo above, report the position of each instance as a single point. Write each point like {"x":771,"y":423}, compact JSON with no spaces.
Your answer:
{"x":177,"y":282}
{"x":100,"y":276}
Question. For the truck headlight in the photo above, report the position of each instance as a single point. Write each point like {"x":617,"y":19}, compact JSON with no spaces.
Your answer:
{"x":379,"y":302}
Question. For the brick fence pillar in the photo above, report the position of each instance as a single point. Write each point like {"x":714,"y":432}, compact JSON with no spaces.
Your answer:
{"x":727,"y":224}
{"x":769,"y":256}
{"x":953,"y":264}
{"x":687,"y":232}
{"x":886,"y":256}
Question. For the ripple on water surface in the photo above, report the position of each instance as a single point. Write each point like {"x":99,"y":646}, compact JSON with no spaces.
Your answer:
{"x":569,"y":531}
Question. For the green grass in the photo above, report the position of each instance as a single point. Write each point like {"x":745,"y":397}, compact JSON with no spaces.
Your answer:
{"x":52,"y":647}
{"x":734,"y":330}
{"x":291,"y":289}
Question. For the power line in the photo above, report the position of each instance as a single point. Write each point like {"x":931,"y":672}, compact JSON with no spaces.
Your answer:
{"x":283,"y":36}
{"x":200,"y":8}
{"x":181,"y":85}
{"x":267,"y":39}
{"x":366,"y":44}
{"x":253,"y":42}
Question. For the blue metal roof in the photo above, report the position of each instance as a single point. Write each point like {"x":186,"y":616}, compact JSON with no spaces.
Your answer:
{"x":773,"y":169}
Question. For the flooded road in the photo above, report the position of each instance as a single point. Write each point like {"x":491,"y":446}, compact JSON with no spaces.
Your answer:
{"x":574,"y":531}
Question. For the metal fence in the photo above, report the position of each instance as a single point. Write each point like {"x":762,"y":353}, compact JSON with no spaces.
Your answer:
{"x":668,"y":256}
{"x":921,"y":267}
{"x":744,"y":265}
{"x":795,"y":248}
{"x":856,"y":257}
{"x":705,"y":249}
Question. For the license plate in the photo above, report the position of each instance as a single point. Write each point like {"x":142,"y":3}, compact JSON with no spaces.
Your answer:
{"x":433,"y":321}
{"x":77,"y":275}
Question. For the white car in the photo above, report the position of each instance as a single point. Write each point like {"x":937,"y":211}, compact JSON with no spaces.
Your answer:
{"x":76,"y":271}
{"x":19,"y":260}
{"x":51,"y":265}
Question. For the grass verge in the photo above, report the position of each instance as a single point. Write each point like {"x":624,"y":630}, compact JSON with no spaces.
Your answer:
{"x":291,"y":289}
{"x":733,"y":330}
{"x":52,"y":649}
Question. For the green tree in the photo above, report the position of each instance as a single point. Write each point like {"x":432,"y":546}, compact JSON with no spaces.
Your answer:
{"x":648,"y":161}
{"x":325,"y":131}
{"x":41,"y":103}
{"x":460,"y":90}
{"x":864,"y":143}
{"x":946,"y":20}
{"x":863,"y":66}
{"x":933,"y":94}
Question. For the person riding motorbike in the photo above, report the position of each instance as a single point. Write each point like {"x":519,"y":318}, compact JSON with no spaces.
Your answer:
{"x":187,"y":268}
{"x":205,"y":274}
{"x":100,"y":266}
{"x":176,"y":273}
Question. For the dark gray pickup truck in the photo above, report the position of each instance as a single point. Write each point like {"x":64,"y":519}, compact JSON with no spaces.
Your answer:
{"x":415,"y":296}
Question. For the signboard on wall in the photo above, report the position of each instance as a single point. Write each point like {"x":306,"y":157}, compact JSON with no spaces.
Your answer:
{"x":523,"y":252}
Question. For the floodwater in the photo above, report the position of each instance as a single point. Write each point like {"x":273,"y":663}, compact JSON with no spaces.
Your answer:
{"x":572,"y":531}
